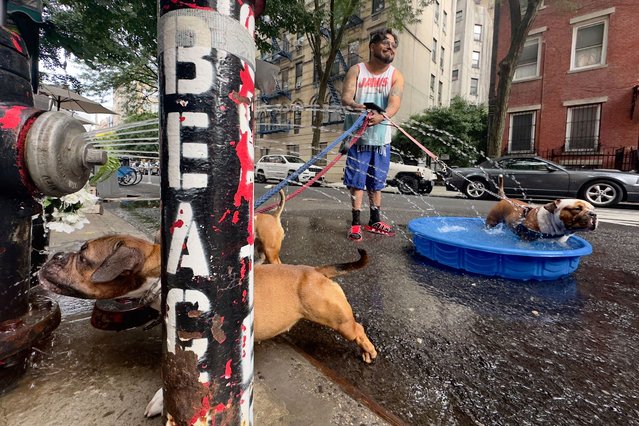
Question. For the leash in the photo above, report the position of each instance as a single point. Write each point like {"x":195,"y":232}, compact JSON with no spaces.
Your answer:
{"x":315,"y":178}
{"x":359,"y":123}
{"x":412,"y":139}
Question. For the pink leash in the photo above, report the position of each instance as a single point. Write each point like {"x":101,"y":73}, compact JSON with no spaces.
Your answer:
{"x":412,"y":139}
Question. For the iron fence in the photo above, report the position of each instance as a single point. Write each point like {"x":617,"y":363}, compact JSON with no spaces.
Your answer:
{"x":624,"y":158}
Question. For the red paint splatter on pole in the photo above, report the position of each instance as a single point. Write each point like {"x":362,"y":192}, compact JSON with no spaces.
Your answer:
{"x":12,"y":117}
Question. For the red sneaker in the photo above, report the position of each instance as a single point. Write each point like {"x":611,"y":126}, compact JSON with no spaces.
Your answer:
{"x":380,"y":228}
{"x":356,"y":233}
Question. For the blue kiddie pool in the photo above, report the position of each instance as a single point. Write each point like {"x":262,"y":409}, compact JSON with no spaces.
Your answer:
{"x":465,"y":243}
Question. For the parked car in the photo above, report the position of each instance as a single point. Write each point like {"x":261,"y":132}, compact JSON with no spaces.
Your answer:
{"x":279,"y":167}
{"x":532,"y":176}
{"x":409,"y":178}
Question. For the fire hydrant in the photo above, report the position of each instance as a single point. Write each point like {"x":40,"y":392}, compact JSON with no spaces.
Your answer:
{"x":41,"y":153}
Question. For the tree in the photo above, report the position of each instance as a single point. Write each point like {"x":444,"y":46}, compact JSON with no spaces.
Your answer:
{"x":459,"y":131}
{"x":522,"y":14}
{"x":325,"y":24}
{"x":115,"y":39}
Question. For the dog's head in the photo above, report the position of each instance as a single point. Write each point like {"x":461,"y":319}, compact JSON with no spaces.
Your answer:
{"x":576,"y":215}
{"x":103,"y":268}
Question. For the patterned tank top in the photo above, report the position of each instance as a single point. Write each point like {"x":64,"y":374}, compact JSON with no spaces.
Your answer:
{"x":373,"y":88}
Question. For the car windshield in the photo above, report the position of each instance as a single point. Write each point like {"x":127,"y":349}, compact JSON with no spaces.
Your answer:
{"x":291,"y":159}
{"x":515,"y":164}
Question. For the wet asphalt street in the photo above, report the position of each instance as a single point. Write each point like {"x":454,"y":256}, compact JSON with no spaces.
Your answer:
{"x":457,"y":348}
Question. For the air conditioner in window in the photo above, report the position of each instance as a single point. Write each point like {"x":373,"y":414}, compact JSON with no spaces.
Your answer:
{"x":298,"y":85}
{"x":299,"y":43}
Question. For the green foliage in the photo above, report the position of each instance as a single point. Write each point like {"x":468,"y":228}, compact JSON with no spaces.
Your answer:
{"x":459,"y":130}
{"x":106,"y":170}
{"x":115,"y":39}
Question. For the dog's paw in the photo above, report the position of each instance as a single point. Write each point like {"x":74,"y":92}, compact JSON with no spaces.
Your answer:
{"x":154,"y":407}
{"x":369,"y":357}
{"x":564,"y":240}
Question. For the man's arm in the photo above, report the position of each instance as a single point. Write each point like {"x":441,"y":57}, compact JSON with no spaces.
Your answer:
{"x":395,"y":96}
{"x":349,"y":87}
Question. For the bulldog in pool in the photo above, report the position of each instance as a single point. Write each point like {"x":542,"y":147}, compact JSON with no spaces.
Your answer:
{"x":557,"y":219}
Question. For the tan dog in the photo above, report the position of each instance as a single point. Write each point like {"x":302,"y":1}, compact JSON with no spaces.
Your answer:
{"x":269,"y":234}
{"x":560,"y":218}
{"x":124,"y":266}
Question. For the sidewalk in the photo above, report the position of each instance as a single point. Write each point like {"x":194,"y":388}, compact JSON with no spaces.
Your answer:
{"x":86,"y":376}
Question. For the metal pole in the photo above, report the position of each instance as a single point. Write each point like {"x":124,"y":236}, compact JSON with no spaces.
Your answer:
{"x":3,"y":13}
{"x":206,"y":56}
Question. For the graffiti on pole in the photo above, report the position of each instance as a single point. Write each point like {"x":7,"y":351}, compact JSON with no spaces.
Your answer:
{"x":206,"y":56}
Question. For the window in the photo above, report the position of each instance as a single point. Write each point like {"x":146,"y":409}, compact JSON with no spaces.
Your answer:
{"x":436,"y":12}
{"x":297,"y":118}
{"x":432,"y":84}
{"x":378,"y":6}
{"x":322,"y":160}
{"x":456,"y":45}
{"x":442,"y":54}
{"x":523,"y":6}
{"x":528,"y":63}
{"x":262,"y":125}
{"x":298,"y":75}
{"x":455,"y":75}
{"x":316,"y":72}
{"x":335,"y":68}
{"x":477,"y":32}
{"x":589,"y":45}
{"x":445,"y":22}
{"x":285,"y":79}
{"x":293,"y":150}
{"x":475,"y":61}
{"x":521,"y":135}
{"x":525,"y":164}
{"x":582,"y":129}
{"x":434,"y":51}
{"x":474,"y":86}
{"x":459,"y":15}
{"x":353,"y":53}
{"x":439,"y":93}
{"x":335,"y":113}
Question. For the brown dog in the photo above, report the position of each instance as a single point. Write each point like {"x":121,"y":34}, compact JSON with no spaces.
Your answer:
{"x":124,"y":266}
{"x":560,"y":218}
{"x":269,"y":234}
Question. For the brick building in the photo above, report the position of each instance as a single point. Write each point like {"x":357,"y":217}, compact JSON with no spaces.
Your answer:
{"x":574,"y":94}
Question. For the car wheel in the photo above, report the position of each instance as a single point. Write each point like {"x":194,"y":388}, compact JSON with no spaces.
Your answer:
{"x":427,"y":189}
{"x":407,"y":185}
{"x":602,"y":193}
{"x":260,"y":177}
{"x":293,"y":181}
{"x":476,"y":189}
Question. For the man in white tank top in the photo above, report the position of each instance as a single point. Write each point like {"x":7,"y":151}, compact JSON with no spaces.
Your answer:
{"x":375,"y":81}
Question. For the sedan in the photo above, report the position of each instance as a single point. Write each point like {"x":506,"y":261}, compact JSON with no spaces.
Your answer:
{"x":535,"y":177}
{"x":279,"y":167}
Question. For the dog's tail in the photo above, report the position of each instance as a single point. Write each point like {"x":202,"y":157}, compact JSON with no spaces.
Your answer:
{"x":501,"y":193}
{"x":338,"y":269}
{"x":277,"y":213}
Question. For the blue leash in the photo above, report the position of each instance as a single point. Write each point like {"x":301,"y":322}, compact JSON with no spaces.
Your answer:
{"x":312,"y":161}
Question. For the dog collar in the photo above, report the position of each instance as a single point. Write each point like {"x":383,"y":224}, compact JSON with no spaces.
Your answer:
{"x":528,"y":234}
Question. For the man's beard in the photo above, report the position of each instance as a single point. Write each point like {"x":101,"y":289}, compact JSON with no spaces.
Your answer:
{"x":385,"y":59}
